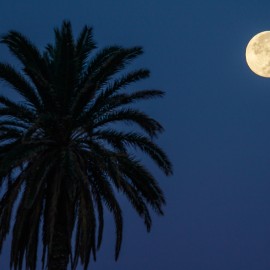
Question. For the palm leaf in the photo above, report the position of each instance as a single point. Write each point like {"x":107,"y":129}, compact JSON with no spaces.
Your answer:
{"x":18,"y":82}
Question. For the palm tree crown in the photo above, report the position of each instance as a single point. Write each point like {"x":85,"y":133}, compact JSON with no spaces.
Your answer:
{"x":61,"y":156}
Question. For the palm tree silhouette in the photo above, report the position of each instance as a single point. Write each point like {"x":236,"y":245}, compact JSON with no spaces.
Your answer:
{"x":61,"y":154}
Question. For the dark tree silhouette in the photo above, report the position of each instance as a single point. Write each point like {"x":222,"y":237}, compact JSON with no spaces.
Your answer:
{"x":61,"y":155}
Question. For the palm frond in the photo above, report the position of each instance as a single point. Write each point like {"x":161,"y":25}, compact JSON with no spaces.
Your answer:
{"x":16,"y":106}
{"x":34,"y":65}
{"x":33,"y":238}
{"x":143,"y":181}
{"x":19,"y":84}
{"x":13,"y":123}
{"x":6,"y":206}
{"x":101,"y":69}
{"x":137,"y":202}
{"x":25,"y":51}
{"x":136,"y":140}
{"x":103,"y":106}
{"x":149,"y":125}
{"x":87,"y":222}
{"x":103,"y":187}
{"x":84,"y":46}
{"x":103,"y":99}
{"x":64,"y":66}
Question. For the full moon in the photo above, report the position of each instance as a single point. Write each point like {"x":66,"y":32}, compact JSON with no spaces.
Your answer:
{"x":258,"y":54}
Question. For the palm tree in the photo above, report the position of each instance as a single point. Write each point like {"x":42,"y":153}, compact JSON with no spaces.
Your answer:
{"x":62,"y":158}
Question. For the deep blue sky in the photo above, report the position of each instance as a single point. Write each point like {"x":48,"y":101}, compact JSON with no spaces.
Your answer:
{"x":217,"y":119}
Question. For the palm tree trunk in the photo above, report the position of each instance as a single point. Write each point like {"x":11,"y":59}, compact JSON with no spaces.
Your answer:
{"x":59,"y":258}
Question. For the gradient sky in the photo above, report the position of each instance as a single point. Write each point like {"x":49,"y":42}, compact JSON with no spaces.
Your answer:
{"x":216,"y":114}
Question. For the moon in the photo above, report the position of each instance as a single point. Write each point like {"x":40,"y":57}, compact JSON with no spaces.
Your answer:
{"x":258,"y":54}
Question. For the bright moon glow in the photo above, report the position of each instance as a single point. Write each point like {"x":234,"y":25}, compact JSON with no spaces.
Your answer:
{"x":258,"y":54}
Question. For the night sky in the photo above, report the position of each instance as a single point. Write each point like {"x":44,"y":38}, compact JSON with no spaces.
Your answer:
{"x":216,"y":115}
